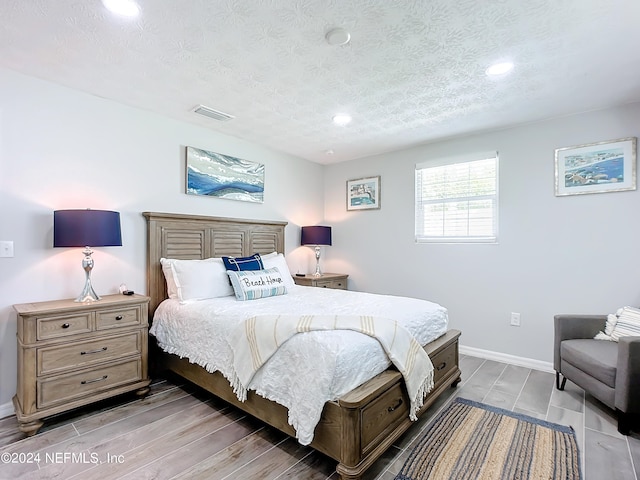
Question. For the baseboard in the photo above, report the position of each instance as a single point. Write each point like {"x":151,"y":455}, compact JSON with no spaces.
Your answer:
{"x":506,"y":358}
{"x":6,"y":410}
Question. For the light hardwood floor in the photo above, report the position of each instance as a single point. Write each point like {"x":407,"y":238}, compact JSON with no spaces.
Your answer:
{"x":180,"y":432}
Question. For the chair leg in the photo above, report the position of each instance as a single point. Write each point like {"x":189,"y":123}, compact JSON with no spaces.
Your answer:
{"x":560,"y":386}
{"x":624,"y":422}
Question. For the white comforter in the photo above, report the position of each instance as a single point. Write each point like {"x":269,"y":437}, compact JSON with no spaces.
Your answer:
{"x":309,"y":369}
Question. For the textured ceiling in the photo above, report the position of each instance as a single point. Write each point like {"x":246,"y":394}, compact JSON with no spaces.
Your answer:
{"x":412,"y":73}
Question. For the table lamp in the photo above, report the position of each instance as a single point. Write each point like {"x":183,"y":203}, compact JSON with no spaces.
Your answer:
{"x":86,"y":228}
{"x":316,"y":236}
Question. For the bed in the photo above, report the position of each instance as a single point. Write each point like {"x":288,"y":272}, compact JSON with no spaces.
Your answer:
{"x":358,"y":427}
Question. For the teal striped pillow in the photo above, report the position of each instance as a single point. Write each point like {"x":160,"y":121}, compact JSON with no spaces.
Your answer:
{"x":628,"y":324}
{"x":253,"y":284}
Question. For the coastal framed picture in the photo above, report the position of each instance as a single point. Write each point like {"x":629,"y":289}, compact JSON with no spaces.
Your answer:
{"x":222,"y":176}
{"x":600,"y":167}
{"x":363,"y":193}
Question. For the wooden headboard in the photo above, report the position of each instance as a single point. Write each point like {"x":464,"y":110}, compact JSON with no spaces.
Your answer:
{"x":172,"y":235}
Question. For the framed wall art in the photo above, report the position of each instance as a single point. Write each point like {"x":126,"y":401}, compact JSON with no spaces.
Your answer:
{"x":600,"y":167}
{"x":363,"y":193}
{"x":217,"y":175}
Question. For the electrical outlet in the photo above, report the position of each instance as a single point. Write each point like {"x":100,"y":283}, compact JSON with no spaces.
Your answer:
{"x":6,"y":248}
{"x":515,"y":319}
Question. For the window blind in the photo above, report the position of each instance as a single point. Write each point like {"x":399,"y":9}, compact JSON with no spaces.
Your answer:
{"x":458,"y":201}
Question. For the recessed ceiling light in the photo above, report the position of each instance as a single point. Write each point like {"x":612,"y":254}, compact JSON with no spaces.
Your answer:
{"x":329,"y":152}
{"x":341,"y":119}
{"x":126,"y":8}
{"x":499,"y":68}
{"x":337,"y":36}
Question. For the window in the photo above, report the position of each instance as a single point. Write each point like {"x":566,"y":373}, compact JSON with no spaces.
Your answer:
{"x":458,"y":201}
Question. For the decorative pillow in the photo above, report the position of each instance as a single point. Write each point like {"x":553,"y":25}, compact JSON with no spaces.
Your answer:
{"x":253,"y":284}
{"x":277,"y":260}
{"x":196,"y":279}
{"x":239,"y":264}
{"x":612,"y":319}
{"x":628,"y":324}
{"x":625,"y":322}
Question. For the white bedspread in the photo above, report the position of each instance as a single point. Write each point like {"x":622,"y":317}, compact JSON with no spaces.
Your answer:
{"x":309,"y":369}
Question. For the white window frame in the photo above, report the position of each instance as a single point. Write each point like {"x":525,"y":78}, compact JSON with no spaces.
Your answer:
{"x":423,"y":169}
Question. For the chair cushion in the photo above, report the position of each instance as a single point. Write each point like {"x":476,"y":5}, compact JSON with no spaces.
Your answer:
{"x":597,"y":358}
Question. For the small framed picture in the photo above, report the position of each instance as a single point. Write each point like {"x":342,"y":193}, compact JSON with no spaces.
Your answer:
{"x":600,"y":167}
{"x":363,"y":193}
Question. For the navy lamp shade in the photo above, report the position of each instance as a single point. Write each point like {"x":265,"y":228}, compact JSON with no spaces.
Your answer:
{"x":316,"y":236}
{"x":86,"y":228}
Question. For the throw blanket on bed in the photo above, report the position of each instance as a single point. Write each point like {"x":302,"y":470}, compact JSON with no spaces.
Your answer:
{"x":258,"y":338}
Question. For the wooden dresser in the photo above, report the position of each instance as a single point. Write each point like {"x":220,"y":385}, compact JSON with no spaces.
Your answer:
{"x":71,"y":354}
{"x":327,"y":280}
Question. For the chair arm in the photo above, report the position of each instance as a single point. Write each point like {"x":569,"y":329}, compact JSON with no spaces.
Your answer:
{"x":569,"y":326}
{"x":627,"y":397}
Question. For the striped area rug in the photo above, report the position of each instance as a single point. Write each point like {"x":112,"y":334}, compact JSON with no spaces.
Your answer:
{"x":470,"y":440}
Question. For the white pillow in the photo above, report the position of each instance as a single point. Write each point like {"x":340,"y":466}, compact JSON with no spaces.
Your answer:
{"x":197,"y":279}
{"x":628,"y":324}
{"x":625,"y":322}
{"x":172,"y":290}
{"x":253,"y":284}
{"x":277,"y":260}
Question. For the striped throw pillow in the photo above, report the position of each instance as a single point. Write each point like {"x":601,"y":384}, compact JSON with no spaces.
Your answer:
{"x":628,"y":324}
{"x":253,"y":284}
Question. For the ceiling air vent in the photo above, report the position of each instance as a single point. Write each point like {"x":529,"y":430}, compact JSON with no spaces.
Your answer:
{"x":211,"y":113}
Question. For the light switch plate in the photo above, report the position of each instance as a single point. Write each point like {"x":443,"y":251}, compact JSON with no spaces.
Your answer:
{"x":6,"y":248}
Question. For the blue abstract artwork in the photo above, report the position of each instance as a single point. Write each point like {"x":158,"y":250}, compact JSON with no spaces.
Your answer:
{"x":222,"y":176}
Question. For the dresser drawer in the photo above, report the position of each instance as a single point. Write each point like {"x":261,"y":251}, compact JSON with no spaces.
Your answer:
{"x":63,"y":325}
{"x":444,"y":362}
{"x":339,"y":284}
{"x":383,"y":414}
{"x":117,"y":318}
{"x":65,"y":388}
{"x":83,"y":354}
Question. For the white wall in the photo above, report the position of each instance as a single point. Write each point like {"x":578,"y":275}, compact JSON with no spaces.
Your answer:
{"x":60,"y":148}
{"x":555,"y":254}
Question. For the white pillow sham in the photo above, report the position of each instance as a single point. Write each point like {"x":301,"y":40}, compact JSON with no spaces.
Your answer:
{"x":172,"y":290}
{"x":277,"y":260}
{"x":196,"y":279}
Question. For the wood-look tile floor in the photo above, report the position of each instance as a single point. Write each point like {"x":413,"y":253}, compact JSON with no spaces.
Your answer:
{"x":180,"y":432}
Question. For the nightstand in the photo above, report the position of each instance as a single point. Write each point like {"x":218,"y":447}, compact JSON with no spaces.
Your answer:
{"x":327,"y":280}
{"x":71,"y":354}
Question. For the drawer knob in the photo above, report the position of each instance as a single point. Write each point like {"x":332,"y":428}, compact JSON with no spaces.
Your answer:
{"x":441,"y":366}
{"x":118,"y":317}
{"x":103,"y":349}
{"x":394,"y":407}
{"x":65,"y":325}
{"x":85,"y":382}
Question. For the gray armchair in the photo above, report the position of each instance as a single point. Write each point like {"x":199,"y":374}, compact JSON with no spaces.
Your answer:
{"x":610,"y":371}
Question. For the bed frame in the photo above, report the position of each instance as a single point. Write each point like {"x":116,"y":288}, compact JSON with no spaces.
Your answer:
{"x":356,"y":429}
